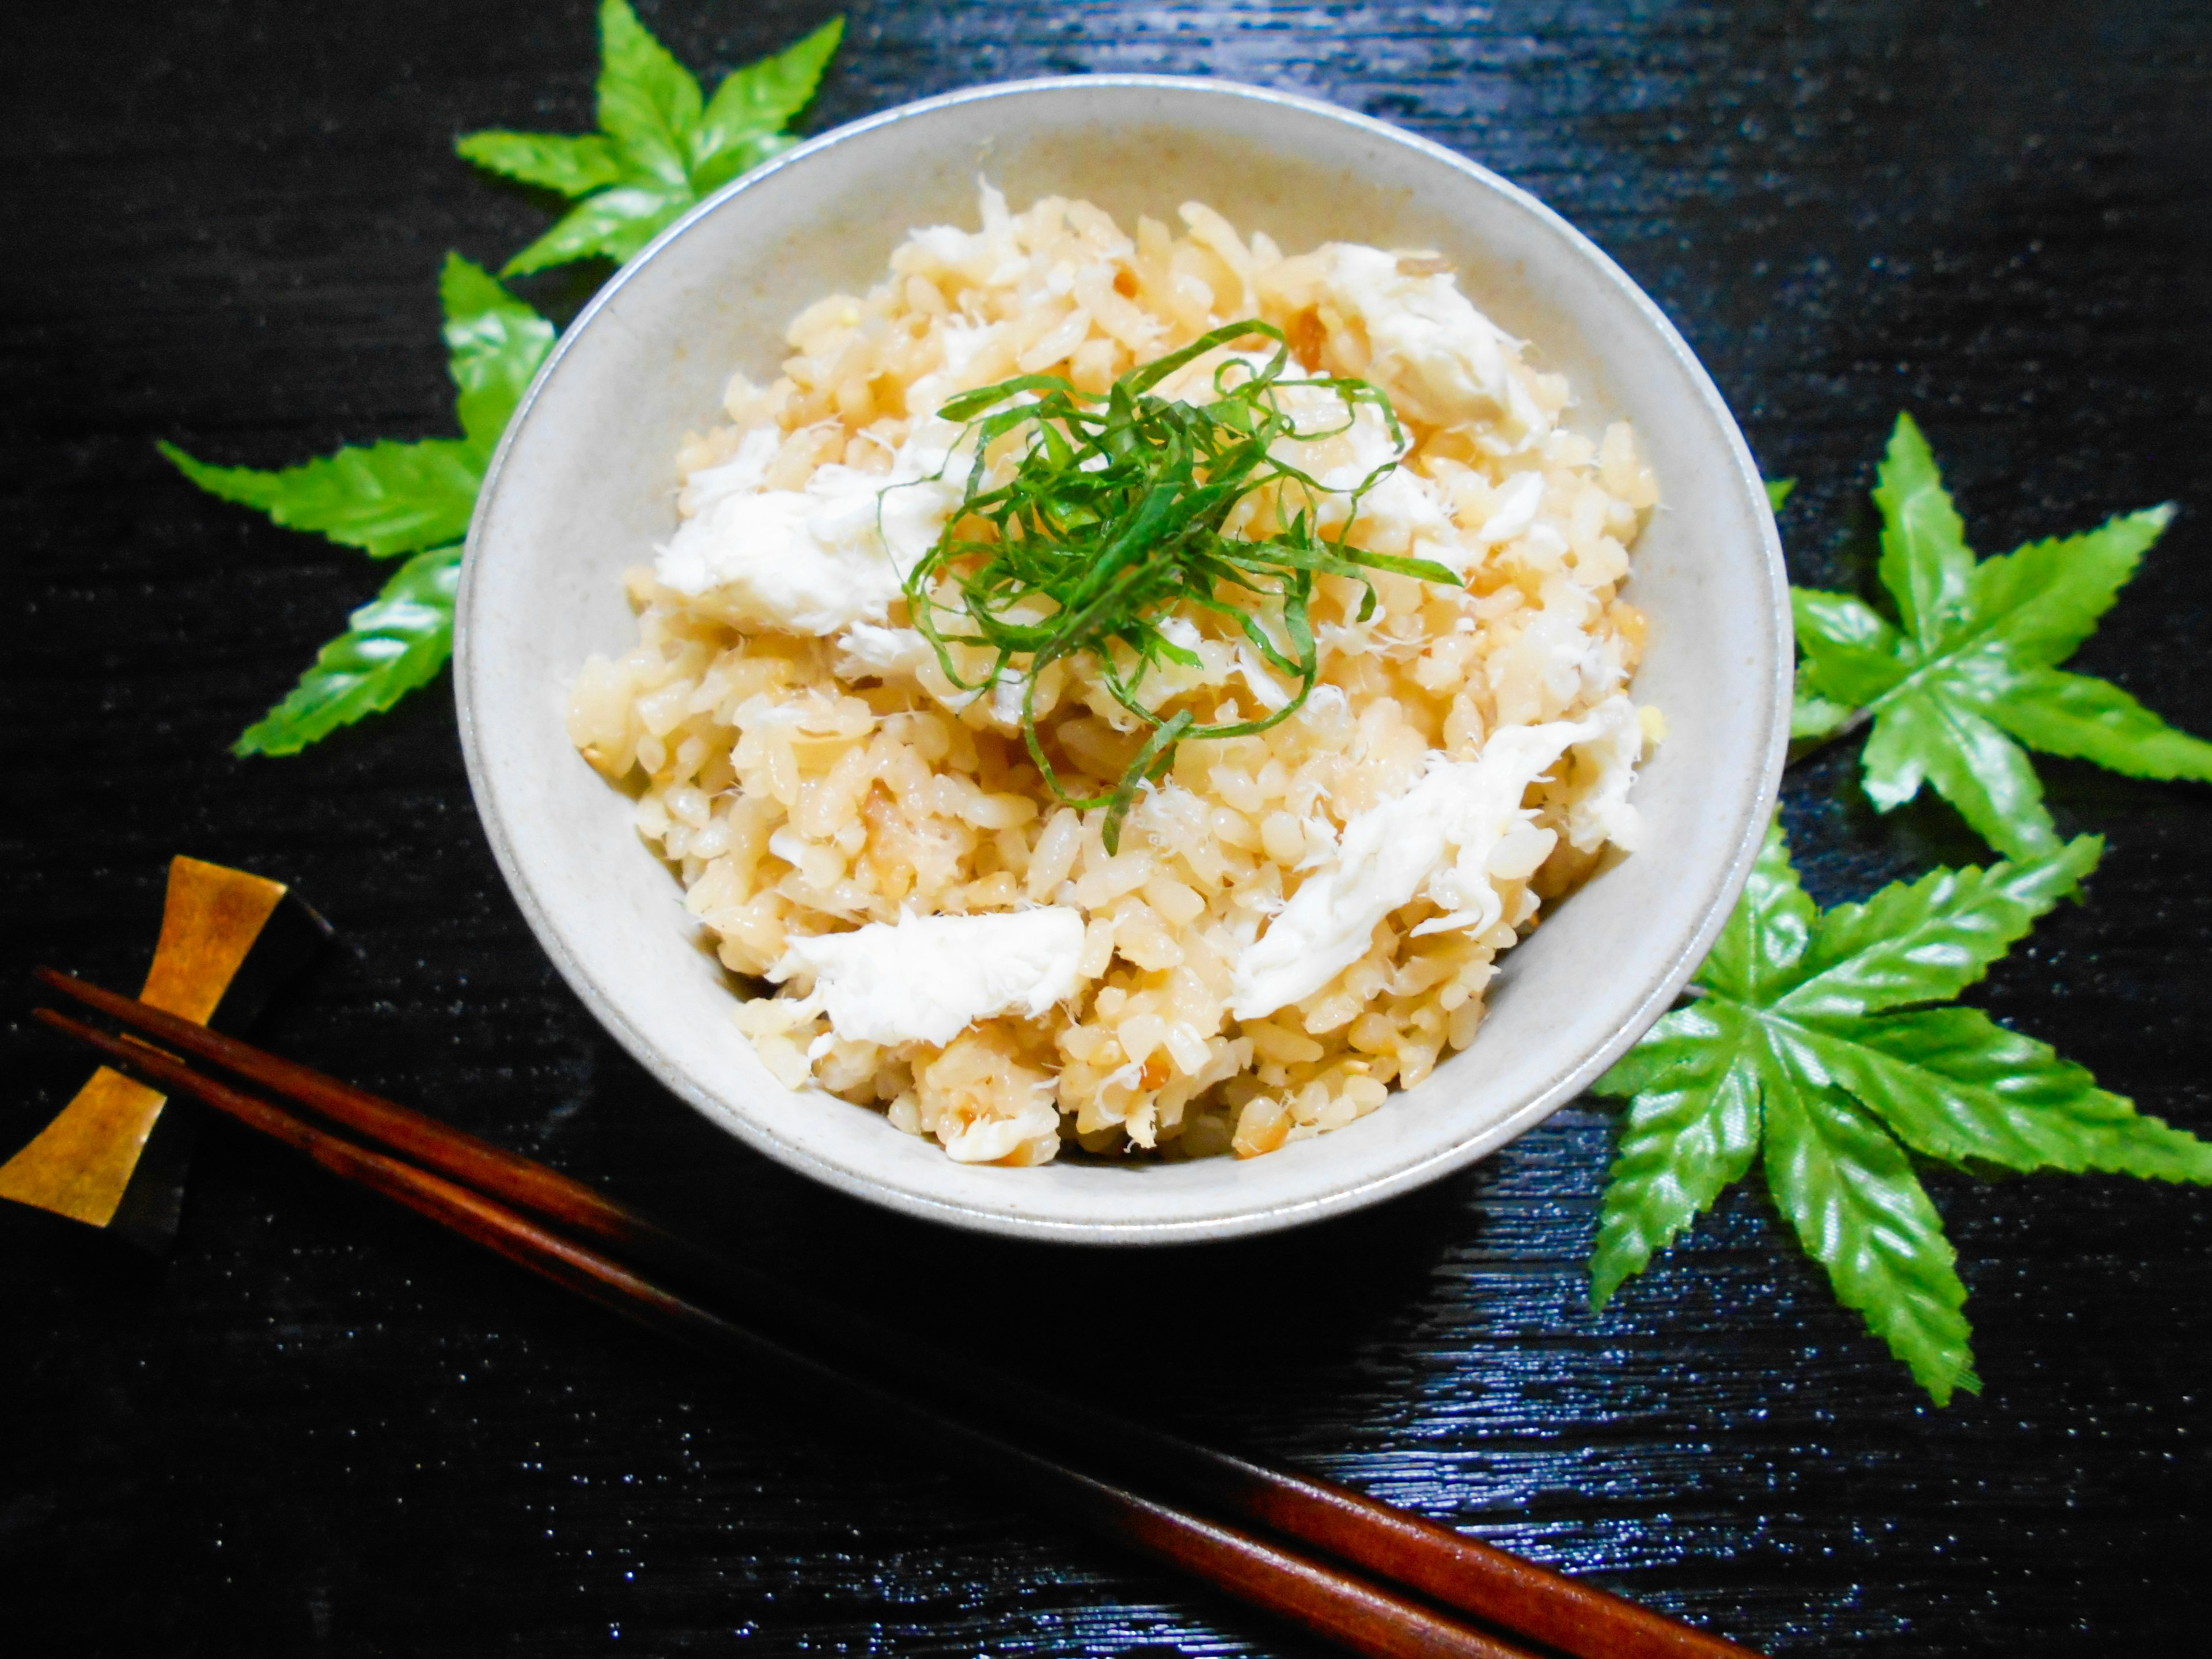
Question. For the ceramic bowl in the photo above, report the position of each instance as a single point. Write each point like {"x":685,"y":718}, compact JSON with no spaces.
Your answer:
{"x":583,"y":486}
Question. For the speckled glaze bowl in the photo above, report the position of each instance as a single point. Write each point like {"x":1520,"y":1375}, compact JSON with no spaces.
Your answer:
{"x":584,"y":485}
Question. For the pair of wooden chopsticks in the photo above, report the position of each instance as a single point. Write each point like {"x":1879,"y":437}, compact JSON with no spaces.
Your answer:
{"x":1299,"y":1560}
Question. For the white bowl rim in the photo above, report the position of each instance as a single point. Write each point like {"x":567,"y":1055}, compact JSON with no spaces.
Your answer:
{"x":1274,"y":1216}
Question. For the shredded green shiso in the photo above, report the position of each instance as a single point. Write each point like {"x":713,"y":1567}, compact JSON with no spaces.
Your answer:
{"x":1113,"y":522}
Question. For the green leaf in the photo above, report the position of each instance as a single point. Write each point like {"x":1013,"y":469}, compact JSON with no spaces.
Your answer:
{"x":574,"y":167}
{"x":1778,"y":491}
{"x":1801,"y":1038}
{"x":2094,"y":719}
{"x":2036,"y":605}
{"x":740,"y":157}
{"x":390,"y":497}
{"x":1692,"y":1130}
{"x":763,"y":98}
{"x":660,"y":150}
{"x":1973,"y":675}
{"x":1983,"y":773}
{"x":1757,"y":951}
{"x":1927,"y":940}
{"x":384,"y":499}
{"x":613,"y":225}
{"x":1846,"y":1187}
{"x":393,"y":498}
{"x":1956,"y":1085}
{"x":496,"y":345}
{"x":1850,"y":654}
{"x":648,"y":103}
{"x":1925,"y":561}
{"x":396,"y":642}
{"x":1814,"y":717}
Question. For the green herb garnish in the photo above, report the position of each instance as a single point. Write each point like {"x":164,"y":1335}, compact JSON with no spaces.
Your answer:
{"x":1113,"y":522}
{"x":1969,"y":673}
{"x":392,"y":498}
{"x":1810,"y":1036}
{"x":661,"y":147}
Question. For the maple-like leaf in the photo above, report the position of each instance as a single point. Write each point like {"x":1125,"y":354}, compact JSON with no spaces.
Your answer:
{"x":1969,"y":673}
{"x":392,"y":498}
{"x":661,"y":147}
{"x":1810,"y":1038}
{"x":391,"y":645}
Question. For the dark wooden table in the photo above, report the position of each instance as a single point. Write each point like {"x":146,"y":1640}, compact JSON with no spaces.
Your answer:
{"x":319,"y":1427}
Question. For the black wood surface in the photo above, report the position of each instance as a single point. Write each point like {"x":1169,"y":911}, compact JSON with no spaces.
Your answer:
{"x":319,"y":1427}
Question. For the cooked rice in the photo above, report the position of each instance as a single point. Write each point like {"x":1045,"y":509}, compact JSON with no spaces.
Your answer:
{"x":793,"y":801}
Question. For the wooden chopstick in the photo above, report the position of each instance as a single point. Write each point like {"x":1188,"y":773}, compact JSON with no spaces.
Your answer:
{"x":529,"y":1187}
{"x":1366,"y":1618}
{"x":1492,"y":1585}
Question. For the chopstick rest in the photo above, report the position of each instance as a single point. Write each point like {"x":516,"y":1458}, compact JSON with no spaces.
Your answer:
{"x":115,"y":1158}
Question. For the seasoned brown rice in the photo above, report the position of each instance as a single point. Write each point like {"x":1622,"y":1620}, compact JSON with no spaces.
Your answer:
{"x":810,"y":778}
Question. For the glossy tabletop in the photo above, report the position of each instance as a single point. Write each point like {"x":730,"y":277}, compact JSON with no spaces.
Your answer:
{"x":319,"y":1427}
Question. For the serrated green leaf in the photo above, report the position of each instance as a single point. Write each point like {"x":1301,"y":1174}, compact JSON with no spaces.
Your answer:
{"x":1692,"y":1131}
{"x":648,"y":103}
{"x":740,"y":157}
{"x":574,"y":166}
{"x":1973,"y":675}
{"x":386,"y":499}
{"x":392,"y":498}
{"x":1813,"y":716}
{"x":1850,"y":654}
{"x":763,"y":98}
{"x":1935,"y":738}
{"x":2094,"y":720}
{"x":1956,"y":1085}
{"x":1925,"y":564}
{"x":1757,"y":951}
{"x":660,"y":150}
{"x":1927,"y":940}
{"x":1848,"y":1190}
{"x":394,"y":643}
{"x":1674,"y":1054}
{"x":1778,"y":491}
{"x":496,"y":344}
{"x":2034,"y":606}
{"x":1801,"y":1035}
{"x":613,"y":225}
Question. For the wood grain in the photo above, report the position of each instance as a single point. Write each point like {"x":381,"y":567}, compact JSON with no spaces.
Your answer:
{"x":224,"y":223}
